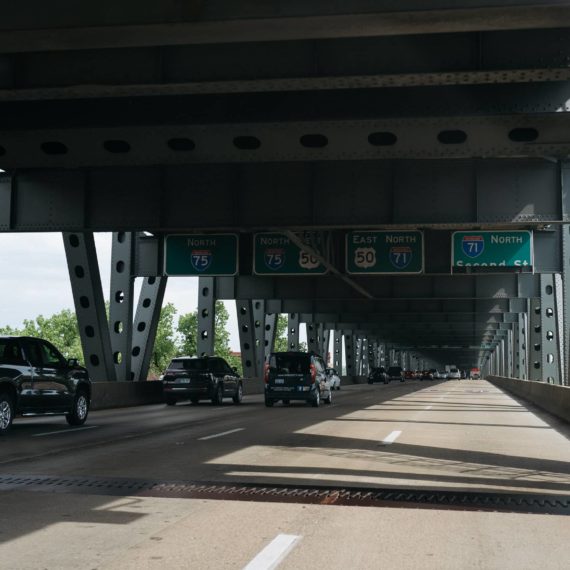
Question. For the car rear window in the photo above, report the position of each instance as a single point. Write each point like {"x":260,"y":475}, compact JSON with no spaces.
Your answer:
{"x":189,"y":364}
{"x":285,"y":363}
{"x":394,"y":370}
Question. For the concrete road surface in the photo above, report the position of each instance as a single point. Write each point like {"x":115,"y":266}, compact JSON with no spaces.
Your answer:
{"x":464,"y":436}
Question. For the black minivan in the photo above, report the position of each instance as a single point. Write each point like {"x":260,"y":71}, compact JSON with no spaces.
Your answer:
{"x":296,"y":376}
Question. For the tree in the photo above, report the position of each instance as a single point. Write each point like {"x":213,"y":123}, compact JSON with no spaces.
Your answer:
{"x":165,"y":345}
{"x":188,"y":331}
{"x":60,"y":329}
{"x":281,"y":341}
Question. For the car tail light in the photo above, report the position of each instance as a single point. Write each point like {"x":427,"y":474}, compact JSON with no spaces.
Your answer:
{"x":313,"y":369}
{"x":266,"y":373}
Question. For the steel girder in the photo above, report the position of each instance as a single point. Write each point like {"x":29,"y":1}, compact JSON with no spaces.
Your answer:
{"x":206,"y":316}
{"x":89,"y":302}
{"x":382,"y":194}
{"x":246,"y":325}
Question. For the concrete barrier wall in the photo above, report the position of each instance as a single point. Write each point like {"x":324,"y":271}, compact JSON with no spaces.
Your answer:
{"x":551,"y":398}
{"x":107,"y":395}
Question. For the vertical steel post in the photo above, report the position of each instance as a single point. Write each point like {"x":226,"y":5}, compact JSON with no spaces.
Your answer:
{"x":350,"y":347}
{"x":312,"y":338}
{"x":337,"y":351}
{"x":259,"y":332}
{"x":89,"y":303}
{"x":535,"y":349}
{"x":293,"y":331}
{"x":206,"y":316}
{"x":121,"y":302}
{"x":565,"y":229}
{"x":270,"y":330}
{"x":549,"y":330}
{"x":146,"y":325}
{"x":246,"y":325}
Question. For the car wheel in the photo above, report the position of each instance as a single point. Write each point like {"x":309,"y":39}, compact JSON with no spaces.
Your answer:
{"x":238,"y":396}
{"x":338,"y":387}
{"x":194,"y":400}
{"x":79,"y":410}
{"x":316,"y":400}
{"x":369,"y":381}
{"x":218,"y":398}
{"x":269,"y":402}
{"x":286,"y":402}
{"x":170,"y":401}
{"x":329,"y":399}
{"x":6,"y":412}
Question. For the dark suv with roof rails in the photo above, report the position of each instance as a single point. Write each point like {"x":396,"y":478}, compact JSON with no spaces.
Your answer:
{"x":205,"y":378}
{"x":35,"y":379}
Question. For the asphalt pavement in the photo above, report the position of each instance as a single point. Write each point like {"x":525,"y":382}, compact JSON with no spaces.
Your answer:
{"x":455,"y":436}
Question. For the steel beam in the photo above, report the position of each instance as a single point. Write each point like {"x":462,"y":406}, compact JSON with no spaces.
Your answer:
{"x":259,"y":313}
{"x":549,"y":330}
{"x":293,"y":325}
{"x":121,"y":303}
{"x":270,"y":331}
{"x":146,"y":324}
{"x":89,"y":303}
{"x":246,"y":325}
{"x":337,"y":354}
{"x":206,"y":316}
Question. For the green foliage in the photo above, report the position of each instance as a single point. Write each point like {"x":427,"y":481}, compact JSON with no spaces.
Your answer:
{"x":165,"y":345}
{"x":188,"y":331}
{"x":59,"y":329}
{"x":281,"y":342}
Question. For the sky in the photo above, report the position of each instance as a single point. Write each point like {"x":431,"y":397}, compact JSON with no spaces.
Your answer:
{"x":34,"y":280}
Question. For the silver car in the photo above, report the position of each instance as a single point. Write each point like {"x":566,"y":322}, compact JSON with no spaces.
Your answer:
{"x":334,"y":378}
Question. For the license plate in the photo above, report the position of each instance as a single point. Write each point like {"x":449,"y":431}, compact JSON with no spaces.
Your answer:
{"x":279,"y":381}
{"x":183,"y":380}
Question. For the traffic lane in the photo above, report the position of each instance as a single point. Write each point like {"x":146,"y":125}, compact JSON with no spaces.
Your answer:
{"x":139,"y":532}
{"x":168,"y":425}
{"x":403,"y":435}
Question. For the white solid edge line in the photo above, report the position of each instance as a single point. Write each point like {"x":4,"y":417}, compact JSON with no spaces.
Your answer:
{"x":220,"y":434}
{"x":391,"y":438}
{"x":63,"y":431}
{"x":428,"y":407}
{"x":274,"y":553}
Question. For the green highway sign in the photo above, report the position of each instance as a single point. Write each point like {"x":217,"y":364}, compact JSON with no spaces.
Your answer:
{"x":201,"y":254}
{"x":384,"y":252}
{"x":276,"y":254}
{"x":501,"y":249}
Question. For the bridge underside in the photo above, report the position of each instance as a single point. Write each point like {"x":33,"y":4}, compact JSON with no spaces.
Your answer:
{"x":210,"y":116}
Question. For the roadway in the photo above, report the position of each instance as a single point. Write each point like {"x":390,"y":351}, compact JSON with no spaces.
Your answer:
{"x":463,"y":436}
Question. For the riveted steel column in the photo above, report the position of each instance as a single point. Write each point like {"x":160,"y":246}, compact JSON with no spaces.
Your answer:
{"x":89,"y":305}
{"x":565,"y":229}
{"x":293,"y":331}
{"x":312,"y":337}
{"x":549,"y":330}
{"x":121,"y":302}
{"x":535,"y":349}
{"x":350,"y":347}
{"x":259,"y":332}
{"x":269,"y":344}
{"x":206,"y":316}
{"x":246,"y":325}
{"x":560,"y":330}
{"x":146,"y":324}
{"x":337,"y":351}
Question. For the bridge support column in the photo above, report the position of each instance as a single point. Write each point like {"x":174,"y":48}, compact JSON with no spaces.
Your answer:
{"x":206,"y":316}
{"x":326,"y":341}
{"x":146,"y":325}
{"x":246,"y":326}
{"x":535,"y":350}
{"x":312,"y":337}
{"x":270,"y":330}
{"x":337,"y":352}
{"x":293,"y":331}
{"x":259,"y":332}
{"x":89,"y":303}
{"x":350,"y":347}
{"x":549,"y":330}
{"x":121,"y":302}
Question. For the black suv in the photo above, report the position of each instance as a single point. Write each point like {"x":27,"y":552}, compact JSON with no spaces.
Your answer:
{"x":378,"y":375}
{"x":206,"y":378}
{"x":36,"y":379}
{"x":395,"y":373}
{"x":296,"y":376}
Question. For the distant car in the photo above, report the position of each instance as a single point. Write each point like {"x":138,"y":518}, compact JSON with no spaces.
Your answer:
{"x":35,"y":379}
{"x":475,"y":374}
{"x":440,"y":375}
{"x":395,"y":373}
{"x":334,"y":378}
{"x":296,"y":376}
{"x":205,"y":378}
{"x":426,"y":375}
{"x":409,"y":375}
{"x":378,"y":375}
{"x":454,"y":374}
